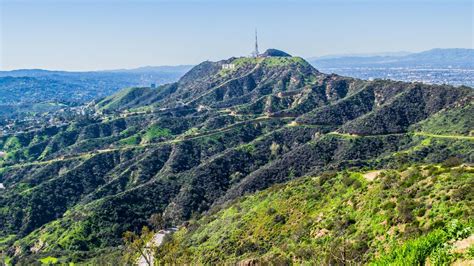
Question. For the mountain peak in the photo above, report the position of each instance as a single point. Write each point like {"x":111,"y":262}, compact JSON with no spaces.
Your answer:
{"x":275,"y":53}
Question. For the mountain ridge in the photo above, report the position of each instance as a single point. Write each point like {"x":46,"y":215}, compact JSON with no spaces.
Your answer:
{"x":224,"y":130}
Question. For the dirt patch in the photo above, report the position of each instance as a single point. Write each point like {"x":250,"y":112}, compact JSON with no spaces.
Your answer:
{"x":370,"y":176}
{"x":463,"y":263}
{"x":293,"y":124}
{"x":461,"y":246}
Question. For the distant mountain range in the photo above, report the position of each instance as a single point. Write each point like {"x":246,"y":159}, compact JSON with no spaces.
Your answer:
{"x":25,"y":86}
{"x":332,"y":56}
{"x":28,"y":87}
{"x":49,"y":73}
{"x":435,"y":58}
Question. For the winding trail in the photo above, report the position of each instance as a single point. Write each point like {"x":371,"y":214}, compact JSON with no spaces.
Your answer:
{"x":181,"y":138}
{"x":444,"y":136}
{"x":211,"y":90}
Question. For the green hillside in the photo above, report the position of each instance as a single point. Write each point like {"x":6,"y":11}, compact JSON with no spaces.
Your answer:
{"x":337,"y":218}
{"x":224,"y":131}
{"x":456,"y":121}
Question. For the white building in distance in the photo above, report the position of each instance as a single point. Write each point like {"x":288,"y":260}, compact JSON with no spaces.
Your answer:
{"x":228,"y":66}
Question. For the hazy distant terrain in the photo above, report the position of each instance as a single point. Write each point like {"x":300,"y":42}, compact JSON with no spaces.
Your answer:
{"x":434,"y":58}
{"x":28,"y":92}
{"x":436,"y":66}
{"x":36,"y":85}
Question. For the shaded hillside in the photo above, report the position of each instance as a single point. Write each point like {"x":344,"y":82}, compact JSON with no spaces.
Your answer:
{"x":225,"y":129}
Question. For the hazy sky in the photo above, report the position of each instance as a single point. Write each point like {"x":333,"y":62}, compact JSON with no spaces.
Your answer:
{"x":110,"y":34}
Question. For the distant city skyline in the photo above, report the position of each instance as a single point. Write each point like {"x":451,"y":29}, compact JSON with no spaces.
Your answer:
{"x":114,"y":34}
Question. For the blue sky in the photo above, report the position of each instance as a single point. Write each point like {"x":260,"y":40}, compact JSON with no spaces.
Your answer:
{"x":110,"y":34}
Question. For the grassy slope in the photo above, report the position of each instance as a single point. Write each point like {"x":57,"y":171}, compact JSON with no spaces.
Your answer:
{"x":456,"y":121}
{"x":122,"y":97}
{"x":321,"y":219}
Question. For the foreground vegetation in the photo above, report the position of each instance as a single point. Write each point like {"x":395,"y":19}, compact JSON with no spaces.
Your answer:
{"x":404,"y":217}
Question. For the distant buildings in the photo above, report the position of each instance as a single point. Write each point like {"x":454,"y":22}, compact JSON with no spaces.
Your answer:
{"x":451,"y":76}
{"x":228,"y":66}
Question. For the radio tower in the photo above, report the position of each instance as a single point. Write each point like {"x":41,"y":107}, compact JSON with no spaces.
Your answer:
{"x":256,"y":53}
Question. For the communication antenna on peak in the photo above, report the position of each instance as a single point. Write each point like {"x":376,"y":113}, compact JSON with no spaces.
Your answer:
{"x":256,"y":53}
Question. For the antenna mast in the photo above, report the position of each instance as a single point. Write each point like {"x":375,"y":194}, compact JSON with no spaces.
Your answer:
{"x":256,"y":53}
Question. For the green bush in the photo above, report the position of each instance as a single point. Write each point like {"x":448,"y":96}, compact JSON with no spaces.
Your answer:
{"x":432,"y":245}
{"x":441,"y":256}
{"x":452,"y":162}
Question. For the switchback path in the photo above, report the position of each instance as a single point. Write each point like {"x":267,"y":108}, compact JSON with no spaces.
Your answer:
{"x":423,"y":134}
{"x":443,"y":136}
{"x":223,"y":84}
{"x":182,"y":138}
